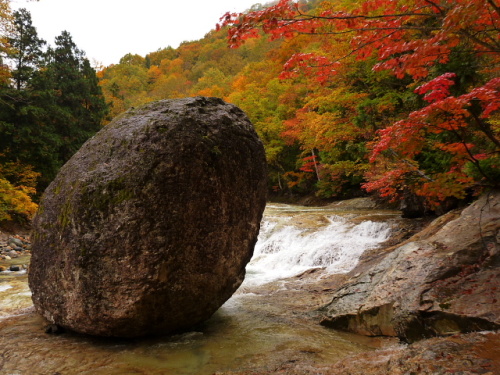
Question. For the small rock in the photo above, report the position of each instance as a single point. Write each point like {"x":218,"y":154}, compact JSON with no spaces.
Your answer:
{"x":15,"y":268}
{"x":15,"y":242}
{"x":2,"y":269}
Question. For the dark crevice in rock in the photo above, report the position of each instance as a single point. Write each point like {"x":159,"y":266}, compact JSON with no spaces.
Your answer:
{"x":410,"y":327}
{"x":426,"y":324}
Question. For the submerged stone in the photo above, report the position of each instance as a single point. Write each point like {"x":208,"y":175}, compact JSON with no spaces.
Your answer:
{"x":149,"y":226}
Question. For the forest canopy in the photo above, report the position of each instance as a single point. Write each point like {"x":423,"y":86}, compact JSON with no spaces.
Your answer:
{"x":397,"y":98}
{"x":50,"y":103}
{"x":427,"y":74}
{"x":394,"y":98}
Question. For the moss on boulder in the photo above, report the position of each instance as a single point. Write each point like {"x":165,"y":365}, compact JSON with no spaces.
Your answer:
{"x":148,"y":228}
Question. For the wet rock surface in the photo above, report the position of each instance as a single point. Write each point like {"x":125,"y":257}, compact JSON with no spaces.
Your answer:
{"x":443,"y":281}
{"x":148,"y":228}
{"x":474,"y":353}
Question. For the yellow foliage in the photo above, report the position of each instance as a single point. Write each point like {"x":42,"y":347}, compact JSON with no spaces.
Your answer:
{"x":5,"y":28}
{"x":15,"y":200}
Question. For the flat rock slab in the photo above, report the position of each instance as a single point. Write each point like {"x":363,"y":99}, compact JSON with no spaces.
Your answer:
{"x":443,"y":281}
{"x":149,"y":227}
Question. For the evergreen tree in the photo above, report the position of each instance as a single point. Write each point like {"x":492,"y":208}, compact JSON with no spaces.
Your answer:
{"x":25,"y":137}
{"x":75,"y":101}
{"x":21,"y":47}
{"x":52,"y":104}
{"x":26,"y":49}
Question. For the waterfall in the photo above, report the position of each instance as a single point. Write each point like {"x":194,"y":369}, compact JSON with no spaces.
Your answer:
{"x":284,"y":249}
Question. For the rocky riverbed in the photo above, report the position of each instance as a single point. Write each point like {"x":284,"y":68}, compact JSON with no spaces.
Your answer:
{"x":15,"y":250}
{"x":274,"y":328}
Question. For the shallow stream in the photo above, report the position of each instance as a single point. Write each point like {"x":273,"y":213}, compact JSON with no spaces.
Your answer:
{"x":269,"y":321}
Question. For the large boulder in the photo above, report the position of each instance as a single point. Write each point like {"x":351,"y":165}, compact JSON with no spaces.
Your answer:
{"x":149,"y":226}
{"x":446,"y":280}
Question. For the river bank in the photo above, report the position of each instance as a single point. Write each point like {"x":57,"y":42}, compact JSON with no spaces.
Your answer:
{"x":15,"y":251}
{"x":268,"y":321}
{"x":464,"y":353}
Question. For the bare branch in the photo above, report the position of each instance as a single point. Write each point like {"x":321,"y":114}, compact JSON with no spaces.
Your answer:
{"x":494,"y":6}
{"x":435,"y":6}
{"x":410,"y":164}
{"x":303,"y":16}
{"x":481,"y":42}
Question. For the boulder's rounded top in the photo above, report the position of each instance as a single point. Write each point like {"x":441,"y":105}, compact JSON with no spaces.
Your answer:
{"x":149,"y":226}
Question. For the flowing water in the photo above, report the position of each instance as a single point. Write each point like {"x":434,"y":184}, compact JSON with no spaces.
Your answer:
{"x":269,"y":321}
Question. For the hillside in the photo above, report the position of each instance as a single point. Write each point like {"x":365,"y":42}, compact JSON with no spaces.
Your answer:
{"x":394,"y":98}
{"x":347,"y":107}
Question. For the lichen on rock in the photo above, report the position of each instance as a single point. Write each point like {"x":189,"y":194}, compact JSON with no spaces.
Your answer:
{"x":148,"y":228}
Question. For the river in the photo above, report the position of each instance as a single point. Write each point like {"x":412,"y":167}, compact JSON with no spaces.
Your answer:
{"x":270,"y":320}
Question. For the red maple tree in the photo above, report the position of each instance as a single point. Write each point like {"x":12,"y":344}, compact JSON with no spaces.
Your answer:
{"x":409,"y":39}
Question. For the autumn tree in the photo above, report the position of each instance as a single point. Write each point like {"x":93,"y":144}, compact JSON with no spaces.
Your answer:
{"x":213,"y":83}
{"x":449,"y":145}
{"x":17,"y":186}
{"x":126,"y":83}
{"x":262,"y":96}
{"x":5,"y":27}
{"x":155,"y":58}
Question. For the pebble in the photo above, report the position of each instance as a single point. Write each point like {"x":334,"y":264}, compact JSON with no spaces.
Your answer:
{"x":15,"y":241}
{"x":12,"y":247}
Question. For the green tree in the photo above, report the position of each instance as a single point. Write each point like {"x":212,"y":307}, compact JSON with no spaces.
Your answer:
{"x":26,"y":49}
{"x":23,"y":139}
{"x":75,"y":103}
{"x":17,"y":180}
{"x":52,"y":104}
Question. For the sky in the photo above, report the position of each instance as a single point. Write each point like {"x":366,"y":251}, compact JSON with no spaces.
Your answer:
{"x":106,"y":30}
